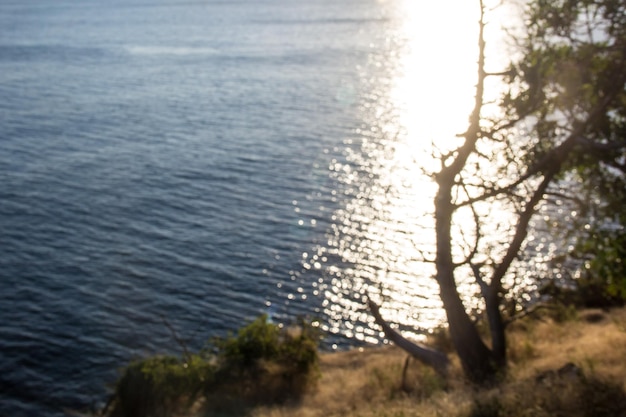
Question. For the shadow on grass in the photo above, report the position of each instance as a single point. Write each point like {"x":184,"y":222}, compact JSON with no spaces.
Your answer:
{"x":565,"y":392}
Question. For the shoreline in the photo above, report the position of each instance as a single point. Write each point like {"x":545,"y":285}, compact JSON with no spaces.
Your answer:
{"x":570,"y":364}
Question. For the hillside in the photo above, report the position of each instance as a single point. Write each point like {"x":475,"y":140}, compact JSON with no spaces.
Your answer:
{"x":565,"y":362}
{"x":575,"y":367}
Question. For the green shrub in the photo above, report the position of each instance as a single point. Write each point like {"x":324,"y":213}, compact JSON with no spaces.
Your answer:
{"x":604,"y":250}
{"x":264,"y":364}
{"x":261,"y":364}
{"x":258,"y":340}
{"x":155,"y":386}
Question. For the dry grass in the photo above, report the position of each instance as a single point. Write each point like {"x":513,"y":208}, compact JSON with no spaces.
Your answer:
{"x":364,"y":383}
{"x":369,"y":383}
{"x":596,"y":342}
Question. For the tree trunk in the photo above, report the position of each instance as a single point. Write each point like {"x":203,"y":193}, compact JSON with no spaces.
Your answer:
{"x":479,"y":363}
{"x":497,"y":328}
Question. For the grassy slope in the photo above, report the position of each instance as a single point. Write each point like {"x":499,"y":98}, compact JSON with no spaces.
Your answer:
{"x":369,"y":383}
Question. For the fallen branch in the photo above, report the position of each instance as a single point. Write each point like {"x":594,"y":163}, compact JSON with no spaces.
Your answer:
{"x":437,"y":360}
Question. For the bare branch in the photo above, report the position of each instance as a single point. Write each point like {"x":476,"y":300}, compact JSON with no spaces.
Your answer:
{"x":477,"y":231}
{"x":531,"y":309}
{"x":552,"y":165}
{"x":554,"y":156}
{"x":433,"y":358}
{"x":509,"y":73}
{"x":178,"y":340}
{"x":521,"y":229}
{"x":479,"y":278}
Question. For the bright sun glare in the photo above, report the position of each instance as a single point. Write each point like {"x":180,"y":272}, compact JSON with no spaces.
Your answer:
{"x":434,"y":91}
{"x":438,"y":70}
{"x":387,"y":229}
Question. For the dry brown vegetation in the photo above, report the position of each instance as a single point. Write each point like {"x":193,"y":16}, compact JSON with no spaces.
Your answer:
{"x":566,"y":362}
{"x":575,"y":367}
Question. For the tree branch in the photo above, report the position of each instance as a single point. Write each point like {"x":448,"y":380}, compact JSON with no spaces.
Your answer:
{"x":178,"y":340}
{"x":551,"y":166}
{"x":433,"y":358}
{"x":527,"y":312}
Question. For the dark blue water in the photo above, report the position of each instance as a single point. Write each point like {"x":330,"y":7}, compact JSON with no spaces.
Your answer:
{"x":168,"y":159}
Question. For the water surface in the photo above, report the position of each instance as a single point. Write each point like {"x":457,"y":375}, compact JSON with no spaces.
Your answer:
{"x":199,"y":163}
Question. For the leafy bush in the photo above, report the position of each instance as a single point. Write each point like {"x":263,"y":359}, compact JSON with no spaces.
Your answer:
{"x":262,"y":363}
{"x":157,"y":385}
{"x":258,"y":340}
{"x":604,"y":253}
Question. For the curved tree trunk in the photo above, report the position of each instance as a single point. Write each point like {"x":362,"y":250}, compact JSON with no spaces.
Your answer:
{"x":433,"y":358}
{"x":479,"y":363}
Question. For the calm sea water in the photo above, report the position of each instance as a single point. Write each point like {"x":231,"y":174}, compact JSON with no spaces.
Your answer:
{"x":190,"y":161}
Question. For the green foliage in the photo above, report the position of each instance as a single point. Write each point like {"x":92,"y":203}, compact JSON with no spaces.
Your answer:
{"x":605,"y":251}
{"x":295,"y":348}
{"x":256,"y":341}
{"x":157,"y":385}
{"x":261,"y":364}
{"x":570,"y":78}
{"x":521,"y":348}
{"x":264,"y":364}
{"x":383,"y":380}
{"x":568,"y":88}
{"x":428,"y":383}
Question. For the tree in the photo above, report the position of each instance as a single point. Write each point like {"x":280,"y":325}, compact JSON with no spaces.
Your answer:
{"x":559,"y":127}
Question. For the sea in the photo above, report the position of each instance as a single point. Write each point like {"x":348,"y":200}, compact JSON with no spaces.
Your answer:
{"x":172,"y":169}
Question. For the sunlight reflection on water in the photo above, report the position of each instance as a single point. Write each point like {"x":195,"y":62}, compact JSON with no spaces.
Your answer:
{"x":379,"y":241}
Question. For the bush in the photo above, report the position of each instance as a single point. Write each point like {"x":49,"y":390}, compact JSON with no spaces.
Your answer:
{"x":262,"y":364}
{"x":258,"y":340}
{"x":603,"y":251}
{"x":157,"y":385}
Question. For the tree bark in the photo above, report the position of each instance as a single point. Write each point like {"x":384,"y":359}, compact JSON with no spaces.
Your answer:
{"x":478,"y":362}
